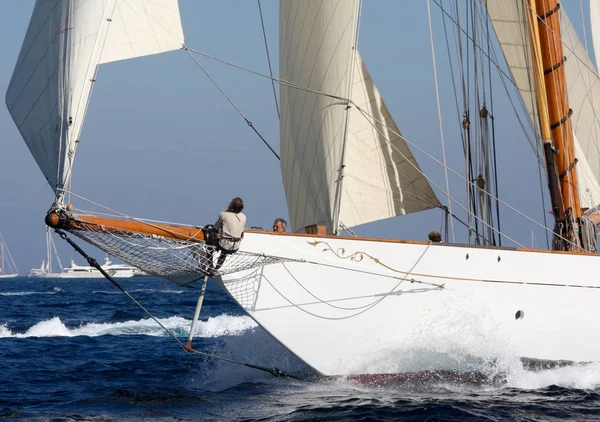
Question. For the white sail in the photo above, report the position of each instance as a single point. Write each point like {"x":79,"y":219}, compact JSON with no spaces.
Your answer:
{"x":142,"y":27}
{"x":583,"y":85}
{"x":66,"y":39}
{"x":381,"y":179}
{"x":8,"y":269}
{"x":509,"y":20}
{"x":595,"y":27}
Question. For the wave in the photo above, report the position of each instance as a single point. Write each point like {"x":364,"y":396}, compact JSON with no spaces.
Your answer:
{"x":54,"y":291}
{"x":148,"y":291}
{"x":222,"y":325}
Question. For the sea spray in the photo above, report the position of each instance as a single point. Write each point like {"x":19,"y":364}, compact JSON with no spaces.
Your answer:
{"x":221,"y":325}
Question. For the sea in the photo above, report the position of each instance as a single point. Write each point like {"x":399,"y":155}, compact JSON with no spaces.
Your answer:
{"x":79,"y":350}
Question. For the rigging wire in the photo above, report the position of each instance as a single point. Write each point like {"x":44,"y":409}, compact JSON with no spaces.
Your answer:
{"x":437,"y":94}
{"x":496,"y":187}
{"x":382,"y":124}
{"x":391,"y":130}
{"x":233,"y":104}
{"x":273,"y":371}
{"x":279,"y":81}
{"x":583,"y":26}
{"x":491,"y":55}
{"x":262,"y":23}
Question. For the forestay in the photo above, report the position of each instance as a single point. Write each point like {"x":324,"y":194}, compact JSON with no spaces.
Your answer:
{"x":381,"y":177}
{"x":583,"y":85}
{"x":66,"y":39}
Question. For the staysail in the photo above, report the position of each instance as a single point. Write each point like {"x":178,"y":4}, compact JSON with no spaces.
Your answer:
{"x":381,"y":177}
{"x":56,"y":69}
{"x":509,"y":20}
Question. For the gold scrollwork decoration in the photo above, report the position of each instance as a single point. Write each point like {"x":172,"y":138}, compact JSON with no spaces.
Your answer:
{"x":356,"y":256}
{"x":359,"y":256}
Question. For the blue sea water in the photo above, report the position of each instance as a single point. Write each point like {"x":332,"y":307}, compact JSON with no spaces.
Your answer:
{"x":81,"y":350}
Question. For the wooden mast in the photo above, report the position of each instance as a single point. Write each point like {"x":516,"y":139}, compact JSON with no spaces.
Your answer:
{"x":555,"y":123}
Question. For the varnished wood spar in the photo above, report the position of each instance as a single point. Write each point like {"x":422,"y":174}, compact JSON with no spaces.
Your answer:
{"x":543,"y":114}
{"x":558,"y":107}
{"x":87,"y":222}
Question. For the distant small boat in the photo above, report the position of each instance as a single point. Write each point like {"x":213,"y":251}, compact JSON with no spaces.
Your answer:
{"x":8,"y":269}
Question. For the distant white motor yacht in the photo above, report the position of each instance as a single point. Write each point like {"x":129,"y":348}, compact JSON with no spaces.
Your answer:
{"x":86,"y":271}
{"x":80,"y":271}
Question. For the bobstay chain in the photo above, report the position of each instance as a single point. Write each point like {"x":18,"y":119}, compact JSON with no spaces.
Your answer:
{"x":187,"y":347}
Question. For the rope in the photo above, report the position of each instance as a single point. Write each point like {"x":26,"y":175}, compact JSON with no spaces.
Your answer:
{"x":364,"y":308}
{"x":273,"y":371}
{"x":190,"y":50}
{"x":262,"y":23}
{"x":435,"y":184}
{"x":233,"y":104}
{"x":503,"y":77}
{"x":455,"y":173}
{"x":279,"y":81}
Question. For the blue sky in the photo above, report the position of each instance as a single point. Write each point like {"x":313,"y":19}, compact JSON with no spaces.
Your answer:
{"x":161,"y":142}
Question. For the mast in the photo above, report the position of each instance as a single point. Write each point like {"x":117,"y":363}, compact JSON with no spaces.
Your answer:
{"x":48,"y":251}
{"x":555,"y":122}
{"x":338,"y":191}
{"x":1,"y":255}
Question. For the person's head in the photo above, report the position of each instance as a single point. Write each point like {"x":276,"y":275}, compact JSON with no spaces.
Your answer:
{"x":435,"y":237}
{"x":279,"y":225}
{"x":236,"y":205}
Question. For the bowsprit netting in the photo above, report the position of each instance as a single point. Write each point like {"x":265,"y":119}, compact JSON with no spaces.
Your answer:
{"x":179,"y":260}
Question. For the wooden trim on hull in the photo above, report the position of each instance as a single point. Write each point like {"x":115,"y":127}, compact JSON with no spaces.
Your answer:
{"x":195,"y":234}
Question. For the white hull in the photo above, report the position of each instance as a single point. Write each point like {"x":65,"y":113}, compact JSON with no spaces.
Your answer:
{"x":9,"y":275}
{"x":348,"y":311}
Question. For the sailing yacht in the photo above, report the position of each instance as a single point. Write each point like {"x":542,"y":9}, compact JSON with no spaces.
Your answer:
{"x":45,"y":270}
{"x":8,"y":269}
{"x":350,"y":305}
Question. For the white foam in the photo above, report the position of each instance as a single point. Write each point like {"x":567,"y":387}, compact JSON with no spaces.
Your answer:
{"x":5,"y":331}
{"x":50,"y":328}
{"x":148,"y":291}
{"x":222,"y":325}
{"x":583,"y":376}
{"x":53,"y":292}
{"x":462,"y":338}
{"x":225,"y":325}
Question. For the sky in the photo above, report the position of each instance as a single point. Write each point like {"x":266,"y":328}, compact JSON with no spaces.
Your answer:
{"x":161,"y":142}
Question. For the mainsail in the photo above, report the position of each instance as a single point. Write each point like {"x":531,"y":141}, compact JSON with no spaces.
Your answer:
{"x":324,"y":136}
{"x":52,"y":82}
{"x":583,"y":84}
